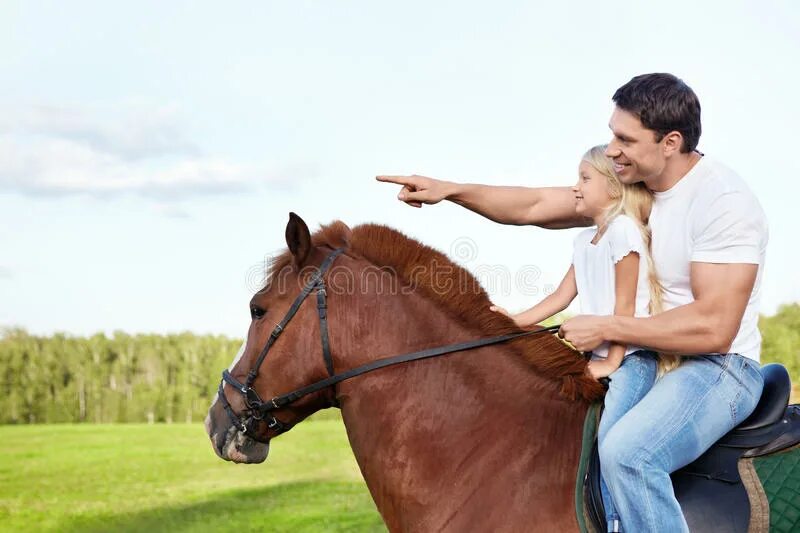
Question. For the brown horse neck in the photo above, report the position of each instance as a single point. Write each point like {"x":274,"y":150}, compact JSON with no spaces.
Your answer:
{"x":466,"y":441}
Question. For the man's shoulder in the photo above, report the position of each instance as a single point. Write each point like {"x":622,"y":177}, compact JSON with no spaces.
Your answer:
{"x":721,"y":189}
{"x":719,"y":179}
{"x":725,"y":207}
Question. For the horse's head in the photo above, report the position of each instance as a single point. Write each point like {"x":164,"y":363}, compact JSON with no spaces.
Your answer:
{"x":283,"y":351}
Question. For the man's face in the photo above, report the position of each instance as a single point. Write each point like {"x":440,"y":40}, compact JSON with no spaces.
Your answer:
{"x":633,"y":148}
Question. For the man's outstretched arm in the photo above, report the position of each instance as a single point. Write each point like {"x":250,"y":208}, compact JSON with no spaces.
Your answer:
{"x":707,"y":325}
{"x":547,"y":207}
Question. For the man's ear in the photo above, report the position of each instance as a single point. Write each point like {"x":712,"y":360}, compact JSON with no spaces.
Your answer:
{"x":673,"y":141}
{"x":298,"y":239}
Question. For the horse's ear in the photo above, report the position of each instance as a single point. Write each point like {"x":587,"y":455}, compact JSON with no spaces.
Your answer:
{"x":298,"y":239}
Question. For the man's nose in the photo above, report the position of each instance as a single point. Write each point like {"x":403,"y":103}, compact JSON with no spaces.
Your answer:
{"x":612,"y":150}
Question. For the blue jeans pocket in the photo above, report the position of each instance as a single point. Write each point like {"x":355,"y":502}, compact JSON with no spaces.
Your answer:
{"x":747,"y":384}
{"x":752,"y":378}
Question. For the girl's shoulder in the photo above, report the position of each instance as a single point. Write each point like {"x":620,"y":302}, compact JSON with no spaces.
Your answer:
{"x":623,"y":227}
{"x":623,"y":222}
{"x":624,"y":236}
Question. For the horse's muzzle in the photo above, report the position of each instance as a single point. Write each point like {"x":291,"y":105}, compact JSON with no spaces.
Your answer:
{"x":231,"y":444}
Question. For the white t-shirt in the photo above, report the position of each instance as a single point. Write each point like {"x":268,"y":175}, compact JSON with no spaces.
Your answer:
{"x":595,"y":271}
{"x":710,"y":216}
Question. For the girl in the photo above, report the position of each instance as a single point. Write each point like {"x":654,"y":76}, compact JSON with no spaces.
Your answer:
{"x":613,"y":273}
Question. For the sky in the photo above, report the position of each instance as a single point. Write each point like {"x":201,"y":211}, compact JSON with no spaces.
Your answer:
{"x":150,"y":152}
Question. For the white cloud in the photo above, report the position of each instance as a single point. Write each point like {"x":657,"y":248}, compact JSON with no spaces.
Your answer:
{"x":58,"y":151}
{"x":127,"y":131}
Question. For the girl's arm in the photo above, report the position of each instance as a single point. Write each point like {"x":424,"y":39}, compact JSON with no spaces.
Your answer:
{"x":552,"y":304}
{"x":626,"y":276}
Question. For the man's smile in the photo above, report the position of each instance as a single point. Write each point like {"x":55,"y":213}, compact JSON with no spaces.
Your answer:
{"x":619,"y":167}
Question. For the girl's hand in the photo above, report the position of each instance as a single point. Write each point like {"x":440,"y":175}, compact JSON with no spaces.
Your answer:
{"x":503,"y":311}
{"x":600,"y":369}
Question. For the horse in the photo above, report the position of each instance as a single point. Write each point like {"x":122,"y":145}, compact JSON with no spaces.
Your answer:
{"x":478,"y":424}
{"x":465,"y":441}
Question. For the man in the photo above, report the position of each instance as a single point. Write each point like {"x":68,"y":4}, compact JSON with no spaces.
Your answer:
{"x":709,"y":242}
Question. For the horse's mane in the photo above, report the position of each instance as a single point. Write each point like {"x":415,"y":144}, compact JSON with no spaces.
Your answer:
{"x":464,"y":299}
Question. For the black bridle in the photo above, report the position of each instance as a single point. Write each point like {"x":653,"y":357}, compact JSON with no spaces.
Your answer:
{"x":258,"y":410}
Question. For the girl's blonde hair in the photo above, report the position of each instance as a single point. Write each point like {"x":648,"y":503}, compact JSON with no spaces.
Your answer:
{"x":636,"y":201}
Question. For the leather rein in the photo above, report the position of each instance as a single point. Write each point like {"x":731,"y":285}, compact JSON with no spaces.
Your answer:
{"x":258,"y":410}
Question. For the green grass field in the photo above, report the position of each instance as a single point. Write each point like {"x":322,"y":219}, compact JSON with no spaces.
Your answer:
{"x":136,"y":477}
{"x":166,"y":478}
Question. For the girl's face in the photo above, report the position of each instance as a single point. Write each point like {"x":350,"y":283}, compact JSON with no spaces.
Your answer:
{"x":591,"y":192}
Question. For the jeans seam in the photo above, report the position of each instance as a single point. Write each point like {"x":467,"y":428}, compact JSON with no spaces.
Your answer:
{"x":726,"y":363}
{"x":733,"y":405}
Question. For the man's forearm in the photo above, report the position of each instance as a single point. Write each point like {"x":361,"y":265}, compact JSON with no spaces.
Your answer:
{"x":689,"y":329}
{"x":548,"y":207}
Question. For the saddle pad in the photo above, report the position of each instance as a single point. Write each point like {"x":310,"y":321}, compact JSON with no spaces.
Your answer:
{"x":589,"y":434}
{"x":780,"y":476}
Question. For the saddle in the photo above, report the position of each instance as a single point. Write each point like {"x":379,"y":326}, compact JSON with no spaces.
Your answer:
{"x":735,"y":485}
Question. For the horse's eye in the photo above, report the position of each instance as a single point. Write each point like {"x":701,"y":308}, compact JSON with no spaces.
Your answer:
{"x":256,"y":312}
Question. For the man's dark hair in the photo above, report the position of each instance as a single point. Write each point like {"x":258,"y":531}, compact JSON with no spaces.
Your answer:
{"x":663,"y":103}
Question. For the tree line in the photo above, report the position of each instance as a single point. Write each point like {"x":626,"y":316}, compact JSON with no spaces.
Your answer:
{"x":172,"y":378}
{"x":100,"y":379}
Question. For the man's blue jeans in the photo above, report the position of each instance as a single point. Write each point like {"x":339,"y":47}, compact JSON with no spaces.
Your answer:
{"x":684,"y":413}
{"x":628,"y":384}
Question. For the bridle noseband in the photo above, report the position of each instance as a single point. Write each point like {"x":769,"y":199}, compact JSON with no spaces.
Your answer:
{"x":258,"y":410}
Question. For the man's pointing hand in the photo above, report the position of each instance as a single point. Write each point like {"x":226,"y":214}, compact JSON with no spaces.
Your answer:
{"x":418,"y":190}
